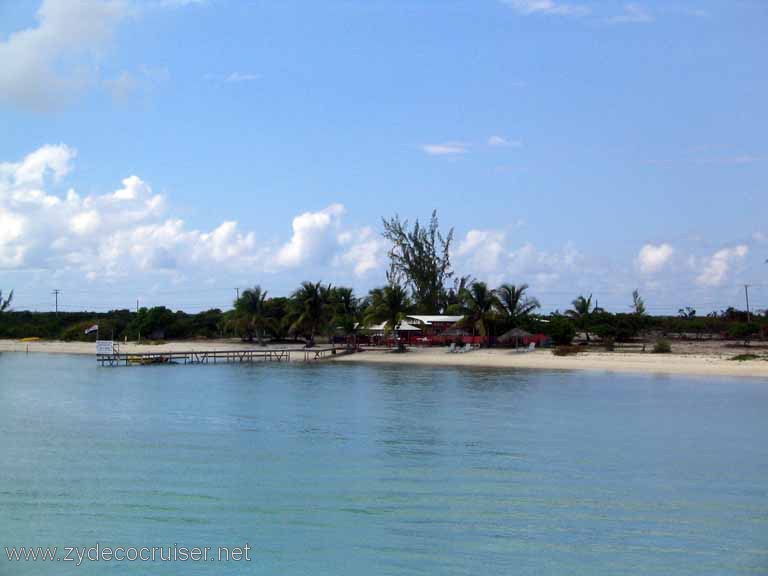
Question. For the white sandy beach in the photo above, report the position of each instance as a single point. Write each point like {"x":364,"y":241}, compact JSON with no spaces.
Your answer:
{"x":711,"y":363}
{"x":692,"y":364}
{"x":89,"y":348}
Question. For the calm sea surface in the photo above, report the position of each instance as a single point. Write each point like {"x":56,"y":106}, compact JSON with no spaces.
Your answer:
{"x":367,"y":470}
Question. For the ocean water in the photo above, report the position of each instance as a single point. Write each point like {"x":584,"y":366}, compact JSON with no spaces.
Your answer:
{"x":351,"y":469}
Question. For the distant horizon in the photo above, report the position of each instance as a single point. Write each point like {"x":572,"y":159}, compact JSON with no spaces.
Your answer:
{"x":172,"y":151}
{"x":652,"y":310}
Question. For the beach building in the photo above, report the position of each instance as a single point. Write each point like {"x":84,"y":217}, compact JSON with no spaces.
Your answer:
{"x":405,"y":328}
{"x":379,"y":334}
{"x":433,"y":325}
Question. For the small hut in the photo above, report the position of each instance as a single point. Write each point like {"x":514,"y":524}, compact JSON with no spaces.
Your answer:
{"x":516,"y":335}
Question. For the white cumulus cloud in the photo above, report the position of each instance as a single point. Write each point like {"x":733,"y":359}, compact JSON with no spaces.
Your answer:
{"x":445,"y":149}
{"x":488,"y":255}
{"x":541,"y":266}
{"x":129,"y":230}
{"x":313,"y":233}
{"x":652,"y":257}
{"x":549,"y":7}
{"x":716,"y":267}
{"x":44,"y":65}
{"x":632,"y":14}
{"x":500,"y":141}
{"x":483,"y":250}
{"x":363,"y":250}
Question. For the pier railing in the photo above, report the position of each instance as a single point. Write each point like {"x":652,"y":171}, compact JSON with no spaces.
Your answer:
{"x":117,"y":358}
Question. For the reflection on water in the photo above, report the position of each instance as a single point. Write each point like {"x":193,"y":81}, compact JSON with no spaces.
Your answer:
{"x":342,"y":469}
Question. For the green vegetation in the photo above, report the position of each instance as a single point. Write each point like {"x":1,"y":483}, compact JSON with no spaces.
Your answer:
{"x":420,"y":259}
{"x":513,"y":303}
{"x":5,"y":304}
{"x":561,"y":330}
{"x":417,"y":283}
{"x":389,"y":304}
{"x":317,"y":309}
{"x":745,"y":357}
{"x":479,"y":307}
{"x":566,"y":350}
{"x":583,"y":314}
{"x":744,"y":331}
{"x":662,"y":347}
{"x":250,"y":317}
{"x":311,"y":307}
{"x":638,"y":304}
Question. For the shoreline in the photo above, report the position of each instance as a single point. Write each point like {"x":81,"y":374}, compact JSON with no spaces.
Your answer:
{"x":697,"y":364}
{"x":89,"y":348}
{"x":620,"y":362}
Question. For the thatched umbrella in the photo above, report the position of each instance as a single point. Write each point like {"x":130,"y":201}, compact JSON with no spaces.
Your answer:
{"x":516,"y":334}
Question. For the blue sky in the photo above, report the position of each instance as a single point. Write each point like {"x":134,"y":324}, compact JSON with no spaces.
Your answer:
{"x":577,"y":146}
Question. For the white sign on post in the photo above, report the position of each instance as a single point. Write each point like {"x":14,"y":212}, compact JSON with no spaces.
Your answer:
{"x":105,"y":347}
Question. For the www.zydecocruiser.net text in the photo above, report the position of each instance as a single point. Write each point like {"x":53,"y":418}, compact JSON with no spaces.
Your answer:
{"x":79,"y":555}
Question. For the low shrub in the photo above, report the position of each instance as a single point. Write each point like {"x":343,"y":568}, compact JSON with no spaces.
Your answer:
{"x":662,"y":347}
{"x":744,"y":331}
{"x":566,"y":350}
{"x":561,"y":330}
{"x":745,"y":357}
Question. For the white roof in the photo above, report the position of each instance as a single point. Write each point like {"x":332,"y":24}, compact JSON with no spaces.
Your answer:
{"x":431,"y":319}
{"x":404,"y":327}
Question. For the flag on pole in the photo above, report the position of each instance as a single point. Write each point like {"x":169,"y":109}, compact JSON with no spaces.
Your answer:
{"x":92,"y":329}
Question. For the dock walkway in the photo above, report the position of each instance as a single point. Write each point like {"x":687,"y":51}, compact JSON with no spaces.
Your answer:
{"x":117,"y":358}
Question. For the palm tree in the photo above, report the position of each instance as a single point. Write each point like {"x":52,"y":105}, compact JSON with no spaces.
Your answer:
{"x":311,"y":301}
{"x":453,"y":297}
{"x":5,"y":304}
{"x":514,"y":304}
{"x":582,"y":313}
{"x":346,"y":310}
{"x":389,"y":304}
{"x":250,"y":310}
{"x":479,"y":302}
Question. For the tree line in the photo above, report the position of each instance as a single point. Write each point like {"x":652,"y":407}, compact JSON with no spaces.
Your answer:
{"x":420,"y":280}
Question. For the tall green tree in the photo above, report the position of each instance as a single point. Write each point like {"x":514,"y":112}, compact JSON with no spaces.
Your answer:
{"x":388,"y":304}
{"x":582,"y":313}
{"x":479,"y":304}
{"x":312,"y":304}
{"x":453,"y":297}
{"x":5,"y":304}
{"x":250,"y":314}
{"x":278,"y":311}
{"x":514,"y":304}
{"x":420,"y":258}
{"x":346,"y":310}
{"x":639,"y":319}
{"x":638,"y":304}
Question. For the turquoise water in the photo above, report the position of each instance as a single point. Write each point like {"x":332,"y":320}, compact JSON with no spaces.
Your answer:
{"x":353,"y":469}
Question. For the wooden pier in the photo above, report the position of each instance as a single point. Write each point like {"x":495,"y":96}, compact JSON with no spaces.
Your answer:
{"x":117,"y":358}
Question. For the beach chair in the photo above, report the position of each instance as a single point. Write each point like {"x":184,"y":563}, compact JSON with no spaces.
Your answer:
{"x":467,"y":348}
{"x":531,"y":347}
{"x":452,"y":349}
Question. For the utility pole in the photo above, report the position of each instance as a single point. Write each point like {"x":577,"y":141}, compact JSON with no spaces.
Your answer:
{"x":137,"y":305}
{"x":237,"y":293}
{"x":56,"y":293}
{"x":746,"y":296}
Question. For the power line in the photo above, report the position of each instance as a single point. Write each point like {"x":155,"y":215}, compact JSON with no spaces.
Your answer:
{"x":746,"y":295}
{"x":56,"y":293}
